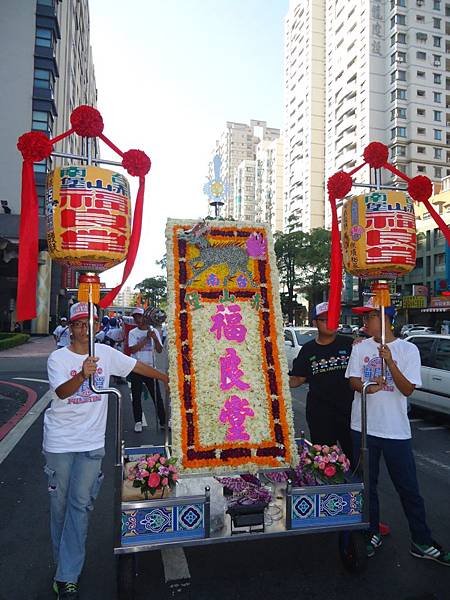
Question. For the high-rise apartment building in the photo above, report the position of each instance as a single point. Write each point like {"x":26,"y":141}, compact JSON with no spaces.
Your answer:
{"x":237,"y":143}
{"x":269,"y":183}
{"x":385,"y":75}
{"x":244,"y":191}
{"x":46,"y":71}
{"x":305,"y":113}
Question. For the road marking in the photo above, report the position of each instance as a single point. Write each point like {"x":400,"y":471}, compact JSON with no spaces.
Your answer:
{"x":421,"y":458}
{"x":30,"y":379}
{"x":15,"y":435}
{"x":433,"y":428}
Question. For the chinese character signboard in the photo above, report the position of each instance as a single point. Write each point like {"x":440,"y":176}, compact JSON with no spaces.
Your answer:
{"x":379,"y":235}
{"x":414,"y":302}
{"x":439,"y":302}
{"x":88,"y":217}
{"x":231,"y":404}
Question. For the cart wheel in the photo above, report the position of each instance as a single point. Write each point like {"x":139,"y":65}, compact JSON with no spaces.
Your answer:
{"x":126,"y":574}
{"x":352,"y":550}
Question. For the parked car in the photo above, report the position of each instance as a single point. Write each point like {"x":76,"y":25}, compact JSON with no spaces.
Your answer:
{"x":345,"y":330}
{"x":419,"y":330}
{"x":404,"y":330}
{"x":434,"y":393}
{"x":294,"y":338}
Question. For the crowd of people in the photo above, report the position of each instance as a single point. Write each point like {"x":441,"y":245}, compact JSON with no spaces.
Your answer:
{"x":334,"y":366}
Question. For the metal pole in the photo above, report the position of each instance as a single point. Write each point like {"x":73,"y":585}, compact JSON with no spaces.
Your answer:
{"x":95,"y":161}
{"x":364,"y":452}
{"x":383,"y":340}
{"x":110,"y":390}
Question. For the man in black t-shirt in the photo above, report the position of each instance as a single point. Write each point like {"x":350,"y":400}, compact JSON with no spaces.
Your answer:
{"x":322,"y":363}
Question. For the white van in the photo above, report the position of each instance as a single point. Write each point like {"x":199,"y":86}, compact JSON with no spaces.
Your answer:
{"x":434,"y":394}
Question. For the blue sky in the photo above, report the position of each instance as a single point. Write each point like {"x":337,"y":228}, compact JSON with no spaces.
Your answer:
{"x":169,"y":74}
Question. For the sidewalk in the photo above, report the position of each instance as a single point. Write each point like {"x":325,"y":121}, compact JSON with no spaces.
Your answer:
{"x":38,"y":346}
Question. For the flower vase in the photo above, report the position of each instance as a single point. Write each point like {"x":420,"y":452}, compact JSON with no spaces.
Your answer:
{"x":159,"y":493}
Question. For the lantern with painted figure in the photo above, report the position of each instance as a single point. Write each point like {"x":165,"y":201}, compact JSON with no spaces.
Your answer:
{"x":88,"y":221}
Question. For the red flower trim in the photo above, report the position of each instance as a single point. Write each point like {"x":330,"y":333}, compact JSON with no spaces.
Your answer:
{"x":136,"y":162}
{"x":34,"y":146}
{"x":420,"y":188}
{"x":87,"y":121}
{"x":339,"y":185}
{"x":376,"y":155}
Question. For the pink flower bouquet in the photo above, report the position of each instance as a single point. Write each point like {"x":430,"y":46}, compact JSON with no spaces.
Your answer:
{"x":327,"y":464}
{"x":153,"y":474}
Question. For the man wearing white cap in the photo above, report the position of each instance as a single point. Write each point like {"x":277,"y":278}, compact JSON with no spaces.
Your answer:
{"x":62,"y":333}
{"x":74,"y":439}
{"x":143,"y":341}
{"x":322,"y":363}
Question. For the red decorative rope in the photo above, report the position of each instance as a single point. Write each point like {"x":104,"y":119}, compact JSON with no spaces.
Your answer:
{"x":60,"y":137}
{"x":110,"y":144}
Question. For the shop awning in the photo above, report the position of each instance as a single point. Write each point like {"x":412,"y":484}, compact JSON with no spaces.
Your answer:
{"x":436,"y":309}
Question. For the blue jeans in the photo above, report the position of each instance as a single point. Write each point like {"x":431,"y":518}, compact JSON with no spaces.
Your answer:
{"x":74,"y":480}
{"x":401,"y":466}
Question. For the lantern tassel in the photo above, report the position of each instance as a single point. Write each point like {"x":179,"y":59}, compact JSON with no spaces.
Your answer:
{"x":86,"y":282}
{"x":381,"y":294}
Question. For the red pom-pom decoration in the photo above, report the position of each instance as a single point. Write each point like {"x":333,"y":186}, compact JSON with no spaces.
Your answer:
{"x":34,"y":146}
{"x":376,"y":155}
{"x":420,"y":188}
{"x":339,"y":185}
{"x":136,"y":162}
{"x":87,"y":121}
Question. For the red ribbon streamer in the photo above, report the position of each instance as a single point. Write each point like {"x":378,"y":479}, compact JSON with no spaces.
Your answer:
{"x":28,"y":247}
{"x":334,"y":303}
{"x":133,"y":247}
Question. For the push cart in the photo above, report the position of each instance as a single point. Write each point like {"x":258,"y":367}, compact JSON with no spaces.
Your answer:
{"x":146,"y":525}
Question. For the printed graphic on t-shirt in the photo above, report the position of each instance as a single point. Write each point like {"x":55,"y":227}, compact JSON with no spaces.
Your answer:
{"x":84,"y":392}
{"x":327,"y":365}
{"x":372,"y":369}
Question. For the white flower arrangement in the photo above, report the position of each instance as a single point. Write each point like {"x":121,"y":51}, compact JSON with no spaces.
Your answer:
{"x":200,"y":430}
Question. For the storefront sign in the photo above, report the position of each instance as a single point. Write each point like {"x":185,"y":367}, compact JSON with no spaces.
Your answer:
{"x":420,"y":290}
{"x":414,"y":302}
{"x":439,"y":302}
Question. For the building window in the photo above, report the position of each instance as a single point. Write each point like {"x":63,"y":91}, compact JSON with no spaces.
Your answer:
{"x":437,"y":134}
{"x":421,"y":55}
{"x":436,"y":4}
{"x":44,"y":37}
{"x":421,"y":169}
{"x":421,"y":150}
{"x":421,"y":37}
{"x":437,"y":78}
{"x":421,"y":112}
{"x":401,"y":94}
{"x":401,"y":75}
{"x":436,"y":41}
{"x":438,"y":153}
{"x":436,"y":23}
{"x":420,"y":18}
{"x":401,"y":113}
{"x":392,"y":39}
{"x":40,"y":167}
{"x":421,"y":74}
{"x":437,"y":115}
{"x":438,"y":171}
{"x":46,"y":2}
{"x":421,"y":131}
{"x":436,"y":60}
{"x":437,"y":96}
{"x":401,"y":38}
{"x":42,"y":79}
{"x":401,"y":57}
{"x":40,"y":120}
{"x":421,"y":93}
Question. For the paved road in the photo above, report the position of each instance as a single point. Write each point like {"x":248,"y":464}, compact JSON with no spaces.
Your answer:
{"x":304,"y":566}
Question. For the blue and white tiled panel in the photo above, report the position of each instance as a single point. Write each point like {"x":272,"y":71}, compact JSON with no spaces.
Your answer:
{"x":163,"y":523}
{"x":136,"y":452}
{"x":315,"y":509}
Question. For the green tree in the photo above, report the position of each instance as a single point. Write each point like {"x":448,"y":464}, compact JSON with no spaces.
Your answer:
{"x":162,"y":263}
{"x":153,"y":290}
{"x":313,"y":262}
{"x":287,"y":246}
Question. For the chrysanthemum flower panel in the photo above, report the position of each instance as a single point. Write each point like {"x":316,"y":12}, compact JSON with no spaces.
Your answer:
{"x":231,"y":405}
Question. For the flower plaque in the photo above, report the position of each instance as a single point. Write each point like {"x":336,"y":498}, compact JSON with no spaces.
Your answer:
{"x":231,"y":403}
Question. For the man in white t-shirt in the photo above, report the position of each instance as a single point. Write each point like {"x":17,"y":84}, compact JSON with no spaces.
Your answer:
{"x":143,"y":342}
{"x":388,"y":428}
{"x":62,"y":333}
{"x":74,"y":440}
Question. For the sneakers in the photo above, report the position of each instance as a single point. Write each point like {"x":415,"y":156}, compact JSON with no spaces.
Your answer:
{"x":431,"y":551}
{"x":66,"y":590}
{"x":373,"y":541}
{"x":138,"y":427}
